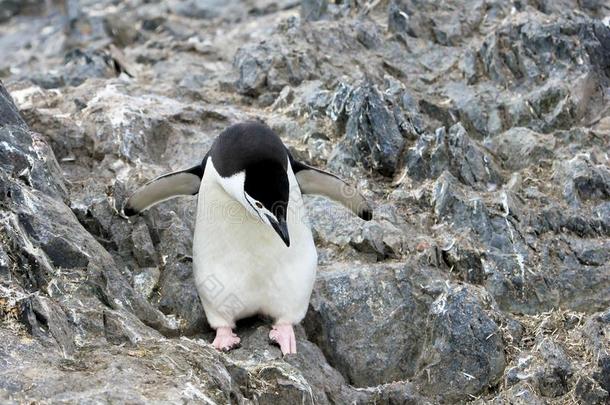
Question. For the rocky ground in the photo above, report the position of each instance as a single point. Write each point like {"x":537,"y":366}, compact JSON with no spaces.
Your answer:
{"x":479,"y":129}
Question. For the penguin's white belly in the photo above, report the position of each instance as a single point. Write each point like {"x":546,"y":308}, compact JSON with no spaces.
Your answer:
{"x":241,"y":265}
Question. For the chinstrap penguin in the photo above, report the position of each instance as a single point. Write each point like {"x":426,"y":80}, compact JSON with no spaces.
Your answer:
{"x":253,"y":251}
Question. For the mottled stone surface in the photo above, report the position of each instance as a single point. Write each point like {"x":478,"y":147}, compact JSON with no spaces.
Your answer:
{"x":479,"y":130}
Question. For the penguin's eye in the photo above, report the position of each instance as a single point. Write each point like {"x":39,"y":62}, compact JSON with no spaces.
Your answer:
{"x":258,"y":205}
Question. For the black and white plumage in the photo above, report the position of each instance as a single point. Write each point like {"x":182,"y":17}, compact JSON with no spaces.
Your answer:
{"x":253,"y":251}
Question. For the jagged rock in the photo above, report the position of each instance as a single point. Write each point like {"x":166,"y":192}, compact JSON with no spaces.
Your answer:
{"x":582,"y":180}
{"x":491,"y":234}
{"x":530,"y":147}
{"x":45,"y":318}
{"x":463,"y":351}
{"x":312,"y":10}
{"x":519,"y":394}
{"x":547,"y":367}
{"x":80,"y":66}
{"x":392,"y":306}
{"x":497,"y":255}
{"x":272,"y":65}
{"x":372,"y":136}
{"x":9,"y":8}
{"x":177,"y":293}
{"x":368,"y":34}
{"x":205,"y":9}
{"x":455,"y":152}
{"x":398,"y":20}
{"x":402,"y":304}
{"x":143,"y":249}
{"x":118,"y":124}
{"x":8,"y":112}
{"x":597,"y":333}
{"x":552,"y":379}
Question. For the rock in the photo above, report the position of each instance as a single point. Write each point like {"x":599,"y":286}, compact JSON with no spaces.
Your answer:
{"x":46,"y":319}
{"x":312,"y":10}
{"x":520,"y":147}
{"x":8,"y":112}
{"x":367,"y":33}
{"x":21,"y":161}
{"x":10,"y":8}
{"x":519,"y":394}
{"x":597,"y":334}
{"x":482,"y":277}
{"x":80,"y":66}
{"x":463,"y":352}
{"x":372,"y":136}
{"x":383,"y":239}
{"x":583,"y":180}
{"x":506,"y":268}
{"x":398,"y":20}
{"x":270,"y":66}
{"x":206,"y":9}
{"x":456,"y":153}
{"x":146,"y":281}
{"x":117,"y":123}
{"x":552,"y":379}
{"x":344,"y":299}
{"x":177,"y":293}
{"x":396,"y":298}
{"x":143,"y":249}
{"x":547,"y":367}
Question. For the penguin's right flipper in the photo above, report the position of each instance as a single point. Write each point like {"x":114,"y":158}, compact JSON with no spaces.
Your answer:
{"x":185,"y":182}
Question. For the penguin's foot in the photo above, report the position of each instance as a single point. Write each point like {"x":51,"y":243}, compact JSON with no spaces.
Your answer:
{"x":225,"y":339}
{"x":283,"y":335}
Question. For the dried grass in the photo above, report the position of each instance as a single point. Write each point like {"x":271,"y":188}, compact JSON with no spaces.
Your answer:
{"x":564,"y":328}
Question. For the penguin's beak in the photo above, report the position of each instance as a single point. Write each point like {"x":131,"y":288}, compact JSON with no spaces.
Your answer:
{"x":281,"y":228}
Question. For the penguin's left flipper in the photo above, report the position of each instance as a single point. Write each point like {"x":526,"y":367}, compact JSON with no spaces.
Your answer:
{"x":316,"y":181}
{"x":184,"y":182}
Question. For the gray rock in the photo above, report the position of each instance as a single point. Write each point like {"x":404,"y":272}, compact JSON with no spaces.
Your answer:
{"x":20,"y":160}
{"x":457,"y":153}
{"x":398,"y":20}
{"x":491,"y":234}
{"x":206,"y":9}
{"x":582,"y":180}
{"x":9,"y":115}
{"x":385,"y":298}
{"x":372,"y":136}
{"x":463,"y":351}
{"x":519,"y":394}
{"x":143,"y":249}
{"x":312,"y":10}
{"x":368,"y":33}
{"x":9,"y":8}
{"x":597,"y":333}
{"x":82,"y":65}
{"x":553,"y":378}
{"x":146,"y":281}
{"x":45,"y":319}
{"x":520,"y":147}
{"x":409,"y":336}
{"x":177,"y":293}
{"x":270,"y":65}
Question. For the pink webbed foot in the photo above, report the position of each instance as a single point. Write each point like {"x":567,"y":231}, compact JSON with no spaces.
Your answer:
{"x":225,"y":339}
{"x":283,"y":335}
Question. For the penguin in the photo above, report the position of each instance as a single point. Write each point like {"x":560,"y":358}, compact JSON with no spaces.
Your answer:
{"x":253,"y":250}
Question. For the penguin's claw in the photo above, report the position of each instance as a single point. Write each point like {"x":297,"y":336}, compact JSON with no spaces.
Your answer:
{"x":225,"y":339}
{"x":283,"y":335}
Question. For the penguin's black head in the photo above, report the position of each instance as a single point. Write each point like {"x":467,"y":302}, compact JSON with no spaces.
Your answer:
{"x":253,"y":163}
